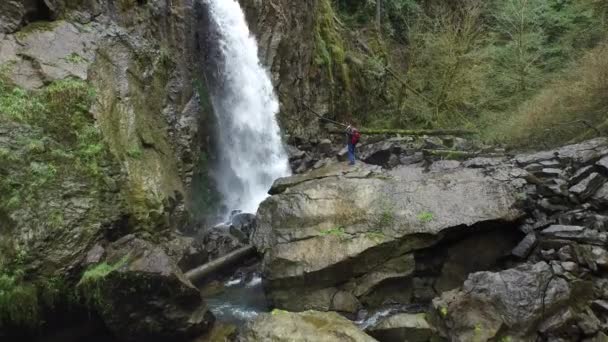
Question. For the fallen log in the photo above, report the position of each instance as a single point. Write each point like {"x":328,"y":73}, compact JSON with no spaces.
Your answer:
{"x":412,"y":132}
{"x":219,"y":263}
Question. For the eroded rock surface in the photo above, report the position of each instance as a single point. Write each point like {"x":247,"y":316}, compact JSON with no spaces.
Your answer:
{"x":339,"y":229}
{"x":309,"y":326}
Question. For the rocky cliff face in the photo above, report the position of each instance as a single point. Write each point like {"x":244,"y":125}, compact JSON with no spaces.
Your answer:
{"x":285,"y":31}
{"x":344,"y":238}
{"x":139,"y":62}
{"x":101,"y":132}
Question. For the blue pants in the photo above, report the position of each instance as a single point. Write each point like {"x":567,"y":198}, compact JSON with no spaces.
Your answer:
{"x":351,"y":153}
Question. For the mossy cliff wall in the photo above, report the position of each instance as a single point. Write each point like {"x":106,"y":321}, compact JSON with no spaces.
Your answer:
{"x":101,"y":131}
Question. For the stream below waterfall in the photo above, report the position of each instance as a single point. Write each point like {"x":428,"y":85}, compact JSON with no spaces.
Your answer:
{"x":241,"y":300}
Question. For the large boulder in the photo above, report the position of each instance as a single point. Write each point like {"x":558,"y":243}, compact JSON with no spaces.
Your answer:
{"x":141,"y":294}
{"x":402,"y":327}
{"x":309,"y":326}
{"x":339,"y":228}
{"x":507,"y":304}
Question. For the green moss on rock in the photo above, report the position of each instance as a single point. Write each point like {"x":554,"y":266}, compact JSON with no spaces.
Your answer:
{"x":18,"y":303}
{"x":91,"y":283}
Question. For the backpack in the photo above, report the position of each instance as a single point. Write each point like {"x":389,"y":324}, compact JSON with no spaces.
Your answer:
{"x":355,"y":137}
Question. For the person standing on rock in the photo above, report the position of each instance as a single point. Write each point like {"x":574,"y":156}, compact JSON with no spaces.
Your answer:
{"x":352,"y":136}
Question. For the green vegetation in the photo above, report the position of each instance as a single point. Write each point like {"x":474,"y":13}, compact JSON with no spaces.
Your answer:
{"x":21,"y":302}
{"x":61,"y":139}
{"x":90,"y":285}
{"x":425,"y":217}
{"x":75,"y":58}
{"x":100,"y":271}
{"x":18,"y":302}
{"x":275,"y":312}
{"x":521,"y":72}
{"x":443,"y":311}
{"x":387,"y":217}
{"x":135,"y":152}
{"x":330,"y":54}
{"x":337,"y":231}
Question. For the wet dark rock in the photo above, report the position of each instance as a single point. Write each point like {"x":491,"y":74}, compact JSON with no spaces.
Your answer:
{"x":546,"y":204}
{"x":600,"y":306}
{"x":557,"y":323}
{"x":575,"y":233}
{"x":600,"y":198}
{"x":505,"y":303}
{"x":581,"y":174}
{"x":548,"y":173}
{"x":548,"y":254}
{"x":588,"y":186}
{"x":245,"y":224}
{"x":218,"y":241}
{"x":11,"y":15}
{"x":145,"y":296}
{"x":588,"y":322}
{"x":565,"y":253}
{"x":603,"y":163}
{"x":294,"y":153}
{"x":325,"y":146}
{"x":600,"y":337}
{"x":402,"y":327}
{"x":380,"y":153}
{"x":186,"y":251}
{"x":483,"y":162}
{"x":416,"y":158}
{"x":553,"y":163}
{"x":525,"y":246}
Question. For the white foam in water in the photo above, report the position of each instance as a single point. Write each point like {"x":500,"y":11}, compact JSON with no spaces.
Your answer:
{"x":235,"y":311}
{"x":233,"y":282}
{"x":374,"y":318}
{"x":245,"y":106}
{"x":255,"y":281}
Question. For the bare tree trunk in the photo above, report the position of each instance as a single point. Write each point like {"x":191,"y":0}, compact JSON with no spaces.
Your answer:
{"x":219,"y":263}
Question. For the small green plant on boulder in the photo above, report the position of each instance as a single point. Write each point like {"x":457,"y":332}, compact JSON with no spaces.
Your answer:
{"x":135,"y":152}
{"x":91,"y":282}
{"x":337,"y":231}
{"x":425,"y":217}
{"x":75,"y":58}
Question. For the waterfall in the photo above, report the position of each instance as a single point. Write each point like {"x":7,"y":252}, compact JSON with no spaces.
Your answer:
{"x":251,"y":152}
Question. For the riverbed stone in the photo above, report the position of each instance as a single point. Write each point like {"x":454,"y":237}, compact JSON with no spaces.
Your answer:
{"x":308,"y":326}
{"x":505,"y":302}
{"x":402,"y":327}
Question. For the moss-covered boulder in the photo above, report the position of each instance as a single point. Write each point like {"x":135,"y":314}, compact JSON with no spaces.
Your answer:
{"x":141,"y":294}
{"x":58,"y":182}
{"x":309,"y":326}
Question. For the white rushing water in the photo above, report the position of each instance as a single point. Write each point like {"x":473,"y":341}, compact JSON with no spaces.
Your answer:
{"x":250,"y":146}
